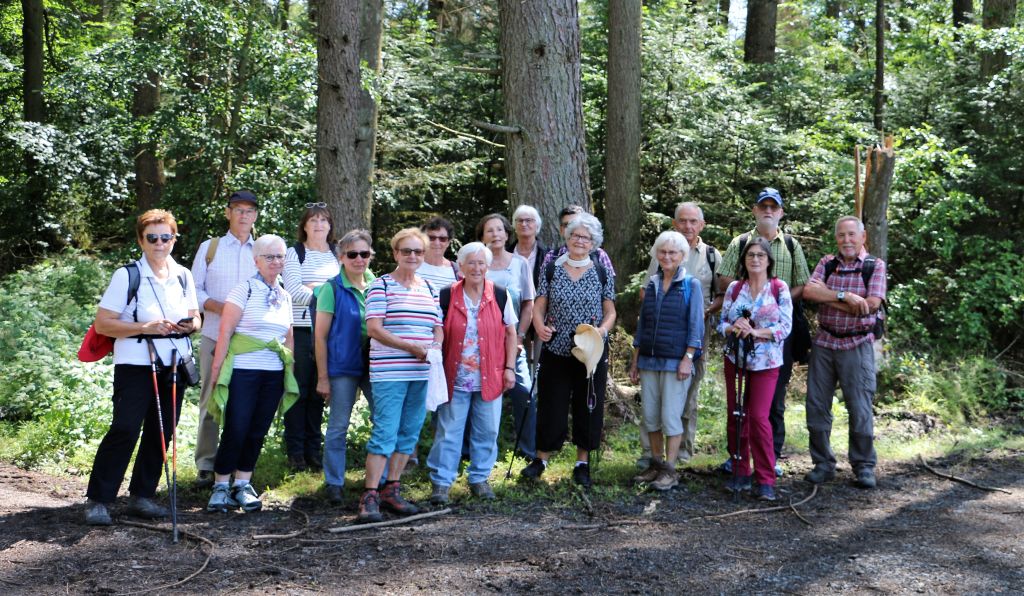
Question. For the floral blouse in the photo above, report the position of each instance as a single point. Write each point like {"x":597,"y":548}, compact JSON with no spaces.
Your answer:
{"x":766,"y":313}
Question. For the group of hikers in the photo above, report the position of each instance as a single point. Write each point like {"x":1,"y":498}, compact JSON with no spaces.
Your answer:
{"x":295,"y":330}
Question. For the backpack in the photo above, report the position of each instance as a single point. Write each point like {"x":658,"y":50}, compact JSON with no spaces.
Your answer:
{"x":312,"y":304}
{"x":445,"y":297}
{"x":775,"y":283}
{"x":867,"y":270}
{"x":712,"y":258}
{"x":602,"y":274}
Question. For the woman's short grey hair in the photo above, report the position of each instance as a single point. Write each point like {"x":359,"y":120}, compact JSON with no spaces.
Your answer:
{"x":528,"y":211}
{"x":266,"y":242}
{"x":670,"y":239}
{"x":471,"y":249}
{"x":352,"y":237}
{"x":590,"y":224}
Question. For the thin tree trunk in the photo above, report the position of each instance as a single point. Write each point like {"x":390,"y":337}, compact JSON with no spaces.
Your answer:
{"x":996,"y":14}
{"x":879,"y":91}
{"x":723,"y":12}
{"x":546,"y":162}
{"x":963,"y":10}
{"x":347,"y":31}
{"x":149,"y":168}
{"x":759,"y":43}
{"x":622,"y":155}
{"x":878,"y":180}
{"x":30,"y":216}
{"x":286,"y":7}
{"x":833,"y":8}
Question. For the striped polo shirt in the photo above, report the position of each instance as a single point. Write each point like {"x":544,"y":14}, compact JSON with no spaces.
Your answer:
{"x":317,"y":268}
{"x":411,"y":314}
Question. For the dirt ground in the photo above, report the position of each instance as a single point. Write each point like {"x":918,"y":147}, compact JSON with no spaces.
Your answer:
{"x":917,"y":533}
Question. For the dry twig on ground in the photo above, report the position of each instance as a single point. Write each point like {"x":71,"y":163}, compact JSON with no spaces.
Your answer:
{"x":791,"y":506}
{"x":990,"y":489}
{"x":394,"y":522}
{"x":295,"y":534}
{"x":184,"y":533}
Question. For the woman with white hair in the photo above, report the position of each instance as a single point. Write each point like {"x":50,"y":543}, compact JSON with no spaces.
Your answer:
{"x":253,"y":367}
{"x":479,"y":351}
{"x":575,"y":290}
{"x":669,"y":336}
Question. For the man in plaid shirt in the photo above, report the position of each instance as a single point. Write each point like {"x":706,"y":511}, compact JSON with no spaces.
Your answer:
{"x":843,"y":351}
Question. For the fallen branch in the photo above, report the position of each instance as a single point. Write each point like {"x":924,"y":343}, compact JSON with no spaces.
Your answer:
{"x":990,"y":489}
{"x":394,"y":522}
{"x":184,"y":533}
{"x":477,"y":70}
{"x":464,"y":134}
{"x":294,"y":534}
{"x":510,"y":130}
{"x":791,"y":506}
{"x":797,"y":513}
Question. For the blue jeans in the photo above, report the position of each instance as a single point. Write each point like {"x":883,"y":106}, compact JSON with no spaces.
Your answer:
{"x":398,"y":411}
{"x":483,"y":440}
{"x":343,"y":398}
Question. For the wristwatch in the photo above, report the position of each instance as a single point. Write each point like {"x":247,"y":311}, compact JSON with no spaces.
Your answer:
{"x":689,"y":355}
{"x":840,"y":295}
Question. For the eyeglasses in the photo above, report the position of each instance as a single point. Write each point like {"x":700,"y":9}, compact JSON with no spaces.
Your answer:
{"x":411,"y":251}
{"x":272,"y":258}
{"x":320,"y":205}
{"x":525,"y":220}
{"x":438,"y":238}
{"x":757,"y":255}
{"x":243,"y":211}
{"x":165,"y":238}
{"x":584,"y":239}
{"x":362,"y":254}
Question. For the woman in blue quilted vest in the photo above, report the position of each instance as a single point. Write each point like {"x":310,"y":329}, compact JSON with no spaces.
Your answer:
{"x":668,"y":338}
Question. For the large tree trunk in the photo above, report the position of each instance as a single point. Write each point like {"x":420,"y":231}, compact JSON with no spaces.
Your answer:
{"x":149,"y":168}
{"x":622,"y":155}
{"x":996,"y":14}
{"x":759,"y":43}
{"x":546,"y":160}
{"x":879,"y":87}
{"x":347,"y":31}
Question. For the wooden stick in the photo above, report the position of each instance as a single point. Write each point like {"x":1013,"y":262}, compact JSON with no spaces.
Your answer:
{"x":294,"y":534}
{"x":511,"y":130}
{"x":464,"y":134}
{"x":814,"y":491}
{"x":477,"y":70}
{"x":990,"y":489}
{"x":394,"y":522}
{"x":184,"y":533}
{"x":857,"y":199}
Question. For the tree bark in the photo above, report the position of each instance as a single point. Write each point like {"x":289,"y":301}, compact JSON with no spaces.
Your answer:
{"x":759,"y":43}
{"x":878,"y":180}
{"x":27,"y":221}
{"x":833,"y":8}
{"x":347,"y":31}
{"x":996,"y":14}
{"x":149,"y":167}
{"x":546,"y":163}
{"x":879,"y":90}
{"x":963,"y":10}
{"x":723,"y":12}
{"x":622,"y":155}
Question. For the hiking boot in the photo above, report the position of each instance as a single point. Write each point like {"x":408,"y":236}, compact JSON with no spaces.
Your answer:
{"x":246,"y":498}
{"x":146,"y":508}
{"x":737,"y":484}
{"x":334,"y":494}
{"x":96,"y":514}
{"x":482,"y":490}
{"x":204,"y":480}
{"x":534,"y":470}
{"x":765,"y":492}
{"x":667,"y":479}
{"x":865,"y":478}
{"x":726,"y":467}
{"x":820,"y":475}
{"x":649,"y":475}
{"x":296,"y":463}
{"x":581,"y":475}
{"x":314,"y":462}
{"x":221,"y":500}
{"x":369,"y":508}
{"x":391,"y":497}
{"x":439,"y":494}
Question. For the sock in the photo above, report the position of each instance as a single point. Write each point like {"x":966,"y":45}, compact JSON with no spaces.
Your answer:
{"x":217,"y":485}
{"x":240,"y":483}
{"x":581,"y":463}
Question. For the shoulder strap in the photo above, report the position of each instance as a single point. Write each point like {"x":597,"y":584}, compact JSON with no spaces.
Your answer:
{"x":549,"y":273}
{"x":712,"y":258}
{"x":867,"y":270}
{"x":445,"y":297}
{"x":602,"y":274}
{"x":736,"y":287}
{"x":211,"y":250}
{"x":501,"y":296}
{"x":776,"y":289}
{"x":830,"y":267}
{"x":744,"y":238}
{"x":789,"y":244}
{"x":455,"y":268}
{"x":686,"y":290}
{"x":300,"y":251}
{"x":134,"y":281}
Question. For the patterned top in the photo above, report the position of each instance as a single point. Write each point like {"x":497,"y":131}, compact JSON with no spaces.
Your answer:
{"x":467,"y":372}
{"x":266,"y":315}
{"x":411,"y":314}
{"x":232,"y":264}
{"x":766,"y":313}
{"x":790,"y":269}
{"x":601,"y":256}
{"x":318,"y":267}
{"x":847,"y":278}
{"x":573,"y":302}
{"x":516,"y":279}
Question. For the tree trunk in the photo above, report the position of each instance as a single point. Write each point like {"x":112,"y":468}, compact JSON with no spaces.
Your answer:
{"x":759,"y":43}
{"x":286,"y":7}
{"x":833,"y":8}
{"x":622,"y":155}
{"x":879,"y":91}
{"x":996,"y":14}
{"x":962,"y":12}
{"x":546,"y":161}
{"x":347,"y":31}
{"x":878,"y":180}
{"x":723,"y":12}
{"x":149,"y":168}
{"x":27,"y":221}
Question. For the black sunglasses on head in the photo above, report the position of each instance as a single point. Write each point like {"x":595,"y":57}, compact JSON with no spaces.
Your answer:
{"x":320,"y":205}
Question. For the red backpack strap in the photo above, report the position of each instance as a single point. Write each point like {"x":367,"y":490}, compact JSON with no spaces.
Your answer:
{"x":736,"y":287}
{"x":776,"y":289}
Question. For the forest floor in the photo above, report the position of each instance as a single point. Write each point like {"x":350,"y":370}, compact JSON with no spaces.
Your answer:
{"x":916,"y":533}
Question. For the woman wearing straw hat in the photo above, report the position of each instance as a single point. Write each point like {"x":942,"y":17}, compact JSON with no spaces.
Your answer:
{"x":574,"y":290}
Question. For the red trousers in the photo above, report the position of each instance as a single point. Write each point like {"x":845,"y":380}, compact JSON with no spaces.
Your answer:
{"x":756,"y":436}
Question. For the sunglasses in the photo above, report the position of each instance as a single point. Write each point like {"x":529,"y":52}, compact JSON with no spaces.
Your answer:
{"x":437,"y":238}
{"x":165,"y":238}
{"x":411,"y":251}
{"x":320,"y":205}
{"x":362,"y":254}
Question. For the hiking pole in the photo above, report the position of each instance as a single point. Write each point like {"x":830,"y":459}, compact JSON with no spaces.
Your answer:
{"x":522,"y":421}
{"x":159,"y":412}
{"x":174,"y":446}
{"x":739,"y":413}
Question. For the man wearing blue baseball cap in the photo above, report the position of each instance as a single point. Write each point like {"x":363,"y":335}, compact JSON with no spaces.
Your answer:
{"x":790,"y":266}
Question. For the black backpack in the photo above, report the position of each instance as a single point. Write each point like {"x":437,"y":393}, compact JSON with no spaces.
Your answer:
{"x":867,"y":270}
{"x":135,"y":280}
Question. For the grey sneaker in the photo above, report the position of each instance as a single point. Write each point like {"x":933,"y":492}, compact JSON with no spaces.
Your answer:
{"x":146,"y":508}
{"x":482,"y":490}
{"x":221,"y":500}
{"x":247,"y":498}
{"x":96,"y":514}
{"x":820,"y":475}
{"x":439,"y":494}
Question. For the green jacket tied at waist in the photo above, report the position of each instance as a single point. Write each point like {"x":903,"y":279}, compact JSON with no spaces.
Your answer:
{"x":243,"y":344}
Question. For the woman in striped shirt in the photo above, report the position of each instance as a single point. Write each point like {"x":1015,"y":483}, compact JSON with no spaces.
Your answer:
{"x":403,"y":320}
{"x":307,"y":265}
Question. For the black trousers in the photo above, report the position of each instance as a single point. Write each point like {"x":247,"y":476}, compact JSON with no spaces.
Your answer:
{"x":253,"y":398}
{"x":303,"y":423}
{"x":562,"y":386}
{"x":777,"y":415}
{"x":134,"y":409}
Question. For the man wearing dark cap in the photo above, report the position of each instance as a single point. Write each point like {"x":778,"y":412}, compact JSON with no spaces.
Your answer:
{"x":219,"y":265}
{"x":790,"y":267}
